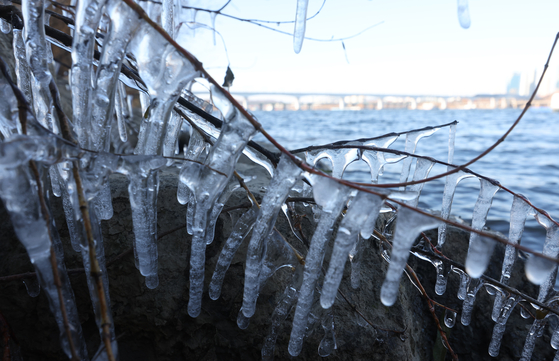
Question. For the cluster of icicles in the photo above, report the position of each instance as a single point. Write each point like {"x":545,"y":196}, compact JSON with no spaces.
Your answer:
{"x":206,"y":182}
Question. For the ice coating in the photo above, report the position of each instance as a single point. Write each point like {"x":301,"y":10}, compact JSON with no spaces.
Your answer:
{"x":539,"y":270}
{"x":88,"y":15}
{"x":240,"y":232}
{"x":331,"y":196}
{"x":285,"y":177}
{"x":518,"y":213}
{"x":530,"y":343}
{"x":281,"y":311}
{"x":411,"y":144}
{"x":206,"y":185}
{"x":408,"y":226}
{"x":363,"y":206}
{"x":500,"y":325}
{"x":463,"y":14}
{"x":422,"y":169}
{"x":19,"y":193}
{"x":300,"y":24}
{"x":451,"y":182}
{"x":481,"y":248}
{"x":340,"y":158}
{"x":473,"y":288}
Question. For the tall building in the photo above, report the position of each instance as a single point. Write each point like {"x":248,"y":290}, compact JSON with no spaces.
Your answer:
{"x":514,"y":84}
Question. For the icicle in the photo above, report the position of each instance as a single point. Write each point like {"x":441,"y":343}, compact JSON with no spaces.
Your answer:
{"x":143,"y":189}
{"x":518,"y":214}
{"x":284,"y":305}
{"x":408,"y":226}
{"x":451,"y":182}
{"x":240,"y":231}
{"x":422,"y":169}
{"x":451,"y":139}
{"x":259,"y":159}
{"x":165,"y":72}
{"x":328,"y":342}
{"x":377,"y":160}
{"x":481,"y":248}
{"x":213,"y":15}
{"x":449,"y":318}
{"x":23,"y":71}
{"x":530,"y":342}
{"x":122,"y":112}
{"x":206,"y":184}
{"x":5,"y":27}
{"x":464,"y":282}
{"x":88,"y":15}
{"x":9,"y":115}
{"x":499,"y":328}
{"x":363,"y":206}
{"x":285,"y":177}
{"x":242,"y":320}
{"x":555,"y":339}
{"x":468,"y":304}
{"x":331,"y":196}
{"x":464,"y":14}
{"x":216,"y":210}
{"x":411,"y":144}
{"x":541,"y":271}
{"x":169,"y":10}
{"x":300,"y":24}
{"x":32,"y":285}
{"x":19,"y":192}
{"x":355,"y":256}
{"x":340,"y":159}
{"x":279,"y":254}
{"x":194,"y":152}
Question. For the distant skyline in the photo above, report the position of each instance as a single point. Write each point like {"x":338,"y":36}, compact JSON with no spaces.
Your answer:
{"x":419,"y":48}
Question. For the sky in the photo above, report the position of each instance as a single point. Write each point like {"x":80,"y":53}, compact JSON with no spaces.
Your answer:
{"x":417,"y":48}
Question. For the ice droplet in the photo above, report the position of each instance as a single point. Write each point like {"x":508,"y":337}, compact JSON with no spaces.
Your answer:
{"x":464,"y":14}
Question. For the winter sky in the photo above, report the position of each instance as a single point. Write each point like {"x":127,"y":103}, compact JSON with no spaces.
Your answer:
{"x":417,"y":48}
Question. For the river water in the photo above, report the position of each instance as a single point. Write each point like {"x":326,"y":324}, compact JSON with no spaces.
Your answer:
{"x":527,"y":162}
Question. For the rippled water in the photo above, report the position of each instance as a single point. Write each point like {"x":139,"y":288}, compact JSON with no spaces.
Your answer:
{"x":527,"y":162}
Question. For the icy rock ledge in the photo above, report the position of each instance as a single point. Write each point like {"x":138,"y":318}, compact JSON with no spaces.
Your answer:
{"x":156,"y":323}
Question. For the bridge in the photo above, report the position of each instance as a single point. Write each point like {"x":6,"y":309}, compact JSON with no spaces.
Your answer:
{"x":296,"y":101}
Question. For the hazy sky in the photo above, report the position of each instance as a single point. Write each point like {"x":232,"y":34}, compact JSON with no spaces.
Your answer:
{"x":419,"y":48}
